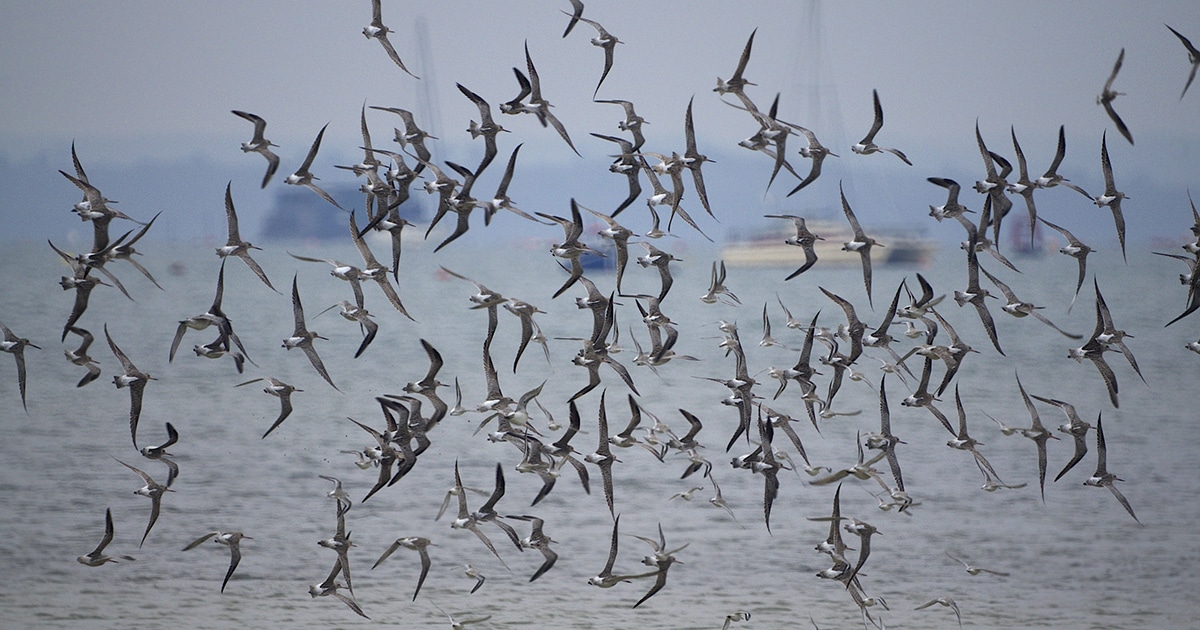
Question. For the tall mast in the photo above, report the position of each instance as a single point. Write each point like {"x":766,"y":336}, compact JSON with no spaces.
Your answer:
{"x":428,"y":106}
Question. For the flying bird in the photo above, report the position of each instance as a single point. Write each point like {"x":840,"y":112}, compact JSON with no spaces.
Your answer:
{"x":885,"y":440}
{"x":737,"y":83}
{"x":302,"y":337}
{"x":1193,"y":58}
{"x":412,"y":135}
{"x":816,"y":152}
{"x":160,"y":453}
{"x":340,"y":543}
{"x":1107,"y":96}
{"x":470,"y":520}
{"x":539,"y":106}
{"x":1094,"y":348}
{"x":378,"y":31}
{"x":235,"y":246}
{"x":80,"y":281}
{"x":767,"y":466}
{"x":153,"y":491}
{"x":461,"y":624}
{"x":486,"y":127}
{"x":418,"y":544}
{"x":229,"y":539}
{"x":656,"y":257}
{"x":1051,"y":178}
{"x":952,"y":208}
{"x":717,"y":288}
{"x":619,"y":235}
{"x":571,"y":248}
{"x":373,"y":270}
{"x":132,"y":378}
{"x":661,"y":561}
{"x":331,"y":587}
{"x":537,"y":539}
{"x":123,"y":250}
{"x":213,"y":316}
{"x":97,"y":558}
{"x":338,"y":494}
{"x":1111,"y":197}
{"x":604,"y":40}
{"x":605,"y":578}
{"x":1109,"y":335}
{"x":1039,"y":434}
{"x":1075,"y":427}
{"x":576,"y":13}
{"x":1017,"y":308}
{"x":972,"y":569}
{"x":861,"y":244}
{"x":944,"y":601}
{"x":603,"y":457}
{"x":867,"y":145}
{"x":864,"y":530}
{"x":1102,"y":478}
{"x":283,"y":392}
{"x":1076,"y":249}
{"x":803,"y":239}
{"x":994,"y":186}
{"x":628,"y":163}
{"x":692,"y":159}
{"x":15,"y":346}
{"x":260,"y":145}
{"x":1024,"y":186}
{"x":632,"y":123}
{"x":80,"y":357}
{"x":977,"y":296}
{"x":303,"y":177}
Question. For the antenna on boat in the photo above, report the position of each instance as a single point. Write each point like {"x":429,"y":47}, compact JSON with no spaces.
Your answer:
{"x":820,"y":96}
{"x":430,"y":112}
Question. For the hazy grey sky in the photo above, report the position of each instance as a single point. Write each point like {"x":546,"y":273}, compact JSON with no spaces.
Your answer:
{"x":139,"y":82}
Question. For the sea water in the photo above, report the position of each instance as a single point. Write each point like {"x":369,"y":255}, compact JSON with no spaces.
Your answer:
{"x":1075,"y":561}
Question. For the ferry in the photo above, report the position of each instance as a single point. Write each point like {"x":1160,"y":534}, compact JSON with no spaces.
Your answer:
{"x":769,"y":249}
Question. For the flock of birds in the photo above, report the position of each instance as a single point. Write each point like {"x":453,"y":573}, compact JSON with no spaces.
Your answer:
{"x":410,"y":418}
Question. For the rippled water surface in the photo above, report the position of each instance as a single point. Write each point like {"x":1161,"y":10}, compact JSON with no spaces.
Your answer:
{"x":1076,"y":561}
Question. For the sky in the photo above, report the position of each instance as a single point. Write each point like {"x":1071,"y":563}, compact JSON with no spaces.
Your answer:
{"x":146,"y":88}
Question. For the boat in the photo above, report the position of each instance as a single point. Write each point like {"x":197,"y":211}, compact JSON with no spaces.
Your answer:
{"x":769,"y":249}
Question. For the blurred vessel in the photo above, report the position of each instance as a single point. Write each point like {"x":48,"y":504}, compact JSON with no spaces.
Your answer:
{"x":769,"y":249}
